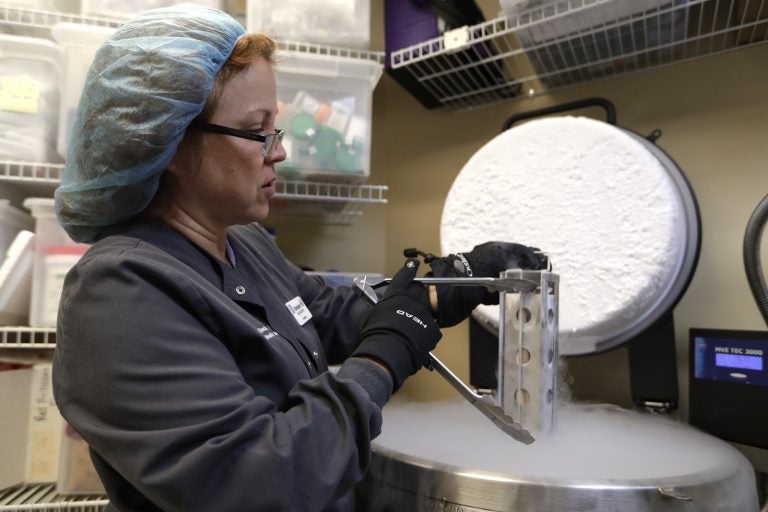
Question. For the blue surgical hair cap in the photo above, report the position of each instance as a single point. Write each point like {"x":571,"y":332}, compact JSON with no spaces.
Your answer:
{"x":145,"y":86}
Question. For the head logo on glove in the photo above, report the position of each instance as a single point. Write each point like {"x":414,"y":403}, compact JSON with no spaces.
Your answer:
{"x":412,"y":317}
{"x":398,"y":331}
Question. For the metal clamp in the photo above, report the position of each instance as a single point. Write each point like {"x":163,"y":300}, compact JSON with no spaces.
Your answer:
{"x":482,"y":403}
{"x":494,"y":284}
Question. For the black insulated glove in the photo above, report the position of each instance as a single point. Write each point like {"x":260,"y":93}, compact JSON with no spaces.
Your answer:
{"x":400,"y":331}
{"x":455,"y":303}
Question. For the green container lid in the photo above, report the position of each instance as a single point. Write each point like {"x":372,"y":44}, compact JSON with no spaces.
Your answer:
{"x":288,"y":170}
{"x":325,"y":144}
{"x":302,"y":126}
{"x":350,"y":158}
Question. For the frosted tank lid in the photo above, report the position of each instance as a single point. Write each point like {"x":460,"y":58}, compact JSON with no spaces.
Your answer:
{"x":613,"y":212}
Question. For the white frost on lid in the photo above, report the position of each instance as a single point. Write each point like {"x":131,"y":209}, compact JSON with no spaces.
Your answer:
{"x":588,"y":194}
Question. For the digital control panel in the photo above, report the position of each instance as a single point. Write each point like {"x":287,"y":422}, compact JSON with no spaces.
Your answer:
{"x":736,"y":360}
{"x":728,"y":384}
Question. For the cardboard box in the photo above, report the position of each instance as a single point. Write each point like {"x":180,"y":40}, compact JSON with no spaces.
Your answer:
{"x":45,"y":428}
{"x":14,"y":407}
{"x":76,"y":472}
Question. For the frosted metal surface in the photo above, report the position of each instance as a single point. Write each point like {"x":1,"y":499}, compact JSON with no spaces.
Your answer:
{"x":602,"y":204}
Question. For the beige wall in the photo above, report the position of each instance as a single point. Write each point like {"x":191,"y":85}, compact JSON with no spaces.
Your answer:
{"x":714,"y":116}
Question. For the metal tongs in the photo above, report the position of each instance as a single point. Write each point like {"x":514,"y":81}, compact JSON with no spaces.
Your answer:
{"x":482,"y":403}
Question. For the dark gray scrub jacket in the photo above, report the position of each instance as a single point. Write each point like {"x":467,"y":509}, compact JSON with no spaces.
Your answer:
{"x":195,"y":386}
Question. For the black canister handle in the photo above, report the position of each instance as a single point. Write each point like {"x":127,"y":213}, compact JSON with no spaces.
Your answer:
{"x":610,"y":111}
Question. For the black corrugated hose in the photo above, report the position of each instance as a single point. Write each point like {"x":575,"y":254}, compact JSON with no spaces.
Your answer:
{"x":752,"y":265}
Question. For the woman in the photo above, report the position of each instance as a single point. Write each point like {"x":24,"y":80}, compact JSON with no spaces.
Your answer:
{"x":191,"y":355}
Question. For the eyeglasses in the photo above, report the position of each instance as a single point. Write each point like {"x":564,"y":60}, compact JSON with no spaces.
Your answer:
{"x":270,"y":140}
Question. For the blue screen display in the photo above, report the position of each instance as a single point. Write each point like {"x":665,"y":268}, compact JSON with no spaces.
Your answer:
{"x":737,"y":361}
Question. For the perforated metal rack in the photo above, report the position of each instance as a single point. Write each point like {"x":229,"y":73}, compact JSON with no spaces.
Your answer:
{"x":569,"y":42}
{"x":44,"y":497}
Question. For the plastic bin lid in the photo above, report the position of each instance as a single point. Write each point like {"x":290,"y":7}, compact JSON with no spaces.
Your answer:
{"x":330,"y":66}
{"x":22,"y":47}
{"x":302,"y":126}
{"x":10,"y":213}
{"x":349,"y":159}
{"x":81,"y":34}
{"x":40,"y":206}
{"x":325,"y":144}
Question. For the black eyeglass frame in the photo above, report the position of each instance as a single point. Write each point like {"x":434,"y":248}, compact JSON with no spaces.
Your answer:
{"x":270,"y":140}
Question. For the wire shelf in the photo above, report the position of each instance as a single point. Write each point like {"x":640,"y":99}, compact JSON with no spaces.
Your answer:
{"x":331,"y":51}
{"x":36,"y":172}
{"x":31,"y":179}
{"x":27,"y":337}
{"x":335,"y":192}
{"x":337,"y":203}
{"x":40,"y":19}
{"x":40,"y":497}
{"x":334,"y":203}
{"x":570,"y":42}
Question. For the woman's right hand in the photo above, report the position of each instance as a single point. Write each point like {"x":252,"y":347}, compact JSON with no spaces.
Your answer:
{"x":400,"y":330}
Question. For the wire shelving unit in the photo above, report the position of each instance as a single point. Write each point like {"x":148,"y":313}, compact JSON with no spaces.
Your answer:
{"x":334,"y":203}
{"x":562,"y":43}
{"x":37,"y":497}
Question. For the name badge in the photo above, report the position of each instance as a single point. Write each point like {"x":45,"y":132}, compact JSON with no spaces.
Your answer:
{"x":299,"y":310}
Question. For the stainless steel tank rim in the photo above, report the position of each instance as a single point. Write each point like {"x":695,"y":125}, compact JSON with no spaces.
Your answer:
{"x":437,"y":470}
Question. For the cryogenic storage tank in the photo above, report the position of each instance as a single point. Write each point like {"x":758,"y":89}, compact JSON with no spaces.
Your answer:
{"x":447,"y":457}
{"x":620,"y":224}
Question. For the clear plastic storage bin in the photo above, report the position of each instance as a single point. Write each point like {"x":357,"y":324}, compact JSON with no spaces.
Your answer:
{"x":344,"y":23}
{"x":15,"y":263}
{"x":325,"y":110}
{"x":68,"y":6}
{"x":54,"y":254}
{"x":12,"y":220}
{"x":79,"y":43}
{"x":125,"y":9}
{"x":16,"y":279}
{"x":29,"y":98}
